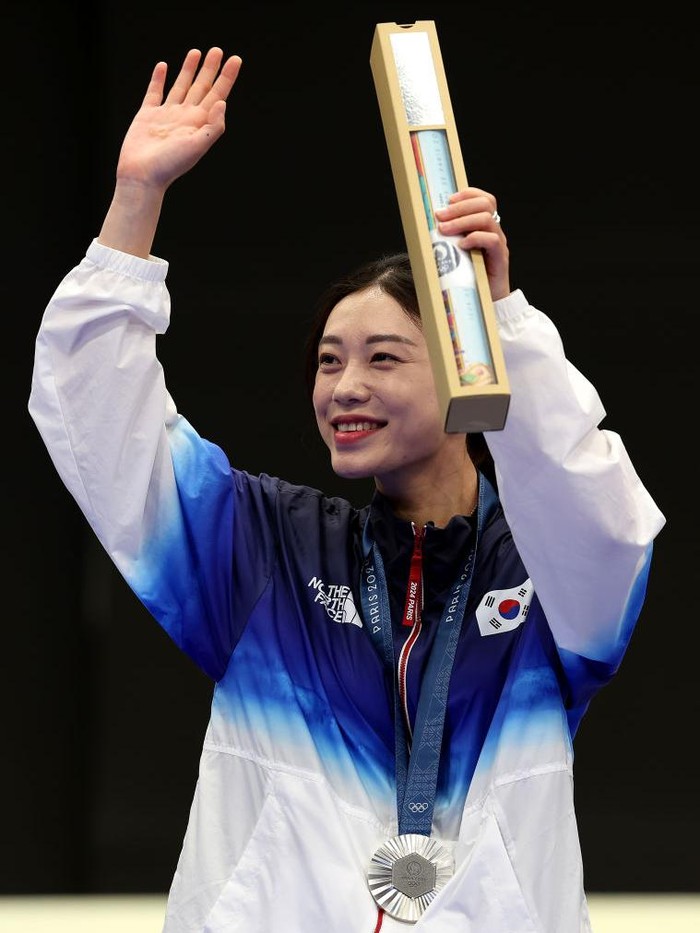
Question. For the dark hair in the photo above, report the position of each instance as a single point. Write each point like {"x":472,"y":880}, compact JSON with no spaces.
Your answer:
{"x":392,"y":274}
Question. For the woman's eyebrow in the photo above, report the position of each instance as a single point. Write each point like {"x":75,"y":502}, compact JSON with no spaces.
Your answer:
{"x":375,"y":338}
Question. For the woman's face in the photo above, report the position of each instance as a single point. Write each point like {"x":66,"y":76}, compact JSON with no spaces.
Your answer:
{"x":374,"y":396}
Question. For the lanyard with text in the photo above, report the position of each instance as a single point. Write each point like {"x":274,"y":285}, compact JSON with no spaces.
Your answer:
{"x":417,"y":775}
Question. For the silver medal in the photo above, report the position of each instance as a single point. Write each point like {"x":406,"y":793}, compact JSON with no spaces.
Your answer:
{"x":406,"y":872}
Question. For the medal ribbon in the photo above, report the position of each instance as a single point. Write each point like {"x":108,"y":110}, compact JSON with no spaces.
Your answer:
{"x":412,"y":616}
{"x":417,"y":774}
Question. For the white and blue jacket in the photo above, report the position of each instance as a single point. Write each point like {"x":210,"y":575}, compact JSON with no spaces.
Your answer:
{"x":258,"y":582}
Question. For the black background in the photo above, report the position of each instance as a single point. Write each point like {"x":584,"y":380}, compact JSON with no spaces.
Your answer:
{"x":581,"y":119}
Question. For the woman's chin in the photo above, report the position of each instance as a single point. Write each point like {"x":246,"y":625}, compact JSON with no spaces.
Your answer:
{"x":346,"y":470}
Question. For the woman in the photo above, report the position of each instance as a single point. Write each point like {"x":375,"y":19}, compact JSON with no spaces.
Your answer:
{"x":396,"y":687}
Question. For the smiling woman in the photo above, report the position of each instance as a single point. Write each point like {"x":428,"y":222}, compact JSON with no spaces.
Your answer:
{"x":377,"y":410}
{"x":397,"y":687}
{"x":376,"y":307}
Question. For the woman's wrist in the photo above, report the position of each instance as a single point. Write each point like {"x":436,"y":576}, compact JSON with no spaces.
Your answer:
{"x":132,"y":218}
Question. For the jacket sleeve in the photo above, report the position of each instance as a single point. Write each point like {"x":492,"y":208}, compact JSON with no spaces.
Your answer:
{"x":580,"y":517}
{"x":158,"y":497}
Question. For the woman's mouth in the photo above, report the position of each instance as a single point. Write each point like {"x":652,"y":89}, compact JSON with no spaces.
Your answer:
{"x":352,"y":432}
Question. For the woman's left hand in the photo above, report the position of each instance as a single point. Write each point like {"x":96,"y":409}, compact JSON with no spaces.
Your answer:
{"x":472,"y":215}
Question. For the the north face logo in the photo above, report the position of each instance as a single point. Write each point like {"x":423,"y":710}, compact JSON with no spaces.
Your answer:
{"x":337,"y":600}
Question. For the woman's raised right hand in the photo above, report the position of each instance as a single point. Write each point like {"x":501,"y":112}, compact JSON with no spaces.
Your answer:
{"x":170,"y":134}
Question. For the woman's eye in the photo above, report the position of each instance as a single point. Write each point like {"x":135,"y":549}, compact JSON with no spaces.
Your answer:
{"x":326,"y":359}
{"x":380,"y":357}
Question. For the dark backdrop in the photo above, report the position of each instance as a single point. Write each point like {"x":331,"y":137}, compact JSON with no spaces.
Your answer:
{"x":581,"y":120}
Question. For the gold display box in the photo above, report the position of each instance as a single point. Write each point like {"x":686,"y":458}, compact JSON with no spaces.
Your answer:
{"x":452,"y":287}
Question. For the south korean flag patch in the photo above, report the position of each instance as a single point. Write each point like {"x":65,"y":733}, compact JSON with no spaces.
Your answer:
{"x":504,"y":610}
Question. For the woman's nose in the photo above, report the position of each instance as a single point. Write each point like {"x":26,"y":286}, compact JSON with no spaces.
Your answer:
{"x":351,"y":386}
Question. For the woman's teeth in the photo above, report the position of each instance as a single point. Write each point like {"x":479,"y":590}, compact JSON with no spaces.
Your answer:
{"x":357,"y":426}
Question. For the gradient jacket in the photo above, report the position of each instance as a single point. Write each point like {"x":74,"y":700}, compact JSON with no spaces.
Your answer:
{"x":257,"y":580}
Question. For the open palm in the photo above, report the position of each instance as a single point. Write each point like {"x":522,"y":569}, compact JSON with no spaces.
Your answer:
{"x":169,"y":136}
